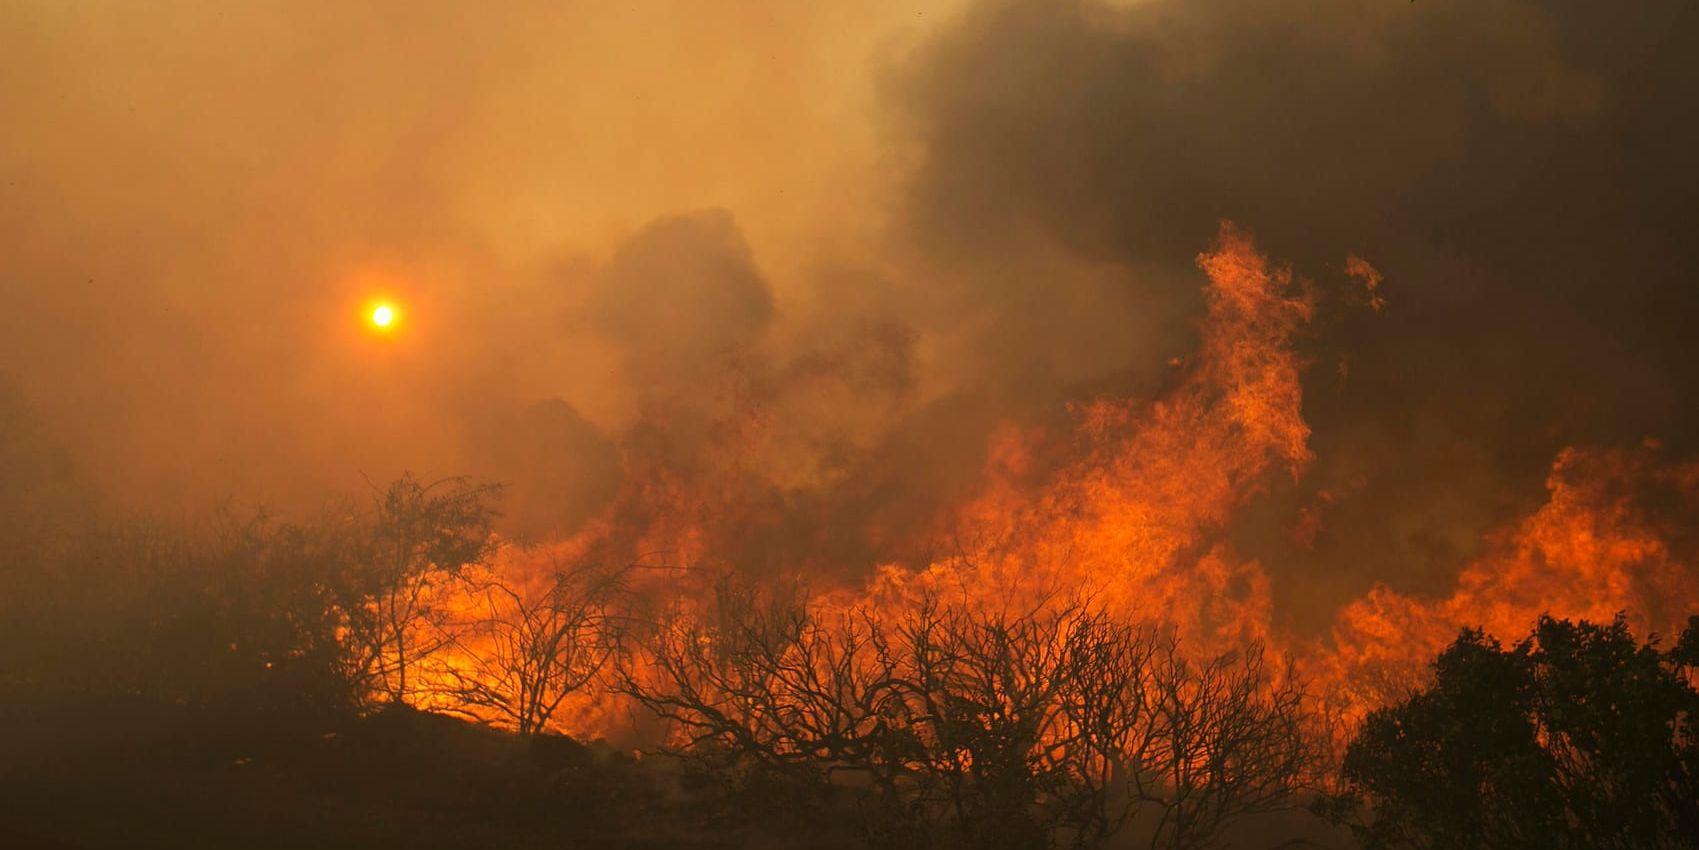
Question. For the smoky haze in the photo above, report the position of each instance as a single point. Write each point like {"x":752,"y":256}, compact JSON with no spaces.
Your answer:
{"x":1521,"y":173}
{"x":835,"y":247}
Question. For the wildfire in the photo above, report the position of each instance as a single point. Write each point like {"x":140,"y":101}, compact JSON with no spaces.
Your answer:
{"x":1608,"y":540}
{"x":1126,"y":508}
{"x":1126,"y":517}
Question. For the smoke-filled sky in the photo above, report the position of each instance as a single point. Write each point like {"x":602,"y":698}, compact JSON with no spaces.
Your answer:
{"x":836,"y":247}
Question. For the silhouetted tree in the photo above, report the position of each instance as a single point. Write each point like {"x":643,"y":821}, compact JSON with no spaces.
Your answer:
{"x":1578,"y":736}
{"x":1224,"y":738}
{"x":534,"y":642}
{"x":275,"y":595}
{"x":418,"y":536}
{"x":1025,"y":728}
{"x":234,"y":625}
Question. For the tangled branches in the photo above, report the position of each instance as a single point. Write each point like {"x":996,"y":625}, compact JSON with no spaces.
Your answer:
{"x":1057,"y":724}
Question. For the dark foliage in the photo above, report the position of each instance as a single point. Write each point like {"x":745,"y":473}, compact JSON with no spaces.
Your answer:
{"x":242,"y":626}
{"x":1577,"y":737}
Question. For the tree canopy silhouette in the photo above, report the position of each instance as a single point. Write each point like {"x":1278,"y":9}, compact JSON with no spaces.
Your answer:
{"x":1579,"y":736}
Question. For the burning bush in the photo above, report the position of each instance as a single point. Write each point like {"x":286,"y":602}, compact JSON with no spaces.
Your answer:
{"x":976,"y":725}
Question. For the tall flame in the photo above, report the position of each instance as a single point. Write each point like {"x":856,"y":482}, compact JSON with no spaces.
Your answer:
{"x":1127,"y":508}
{"x":1127,"y":516}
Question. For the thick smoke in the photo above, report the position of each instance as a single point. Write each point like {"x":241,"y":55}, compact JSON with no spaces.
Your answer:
{"x":198,"y":200}
{"x":773,"y":276}
{"x":1520,"y":173}
{"x":677,"y":299}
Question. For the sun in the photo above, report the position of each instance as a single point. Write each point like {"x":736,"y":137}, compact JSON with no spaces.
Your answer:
{"x":383,"y":316}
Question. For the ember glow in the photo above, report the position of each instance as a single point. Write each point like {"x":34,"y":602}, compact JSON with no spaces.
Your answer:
{"x":1278,"y":344}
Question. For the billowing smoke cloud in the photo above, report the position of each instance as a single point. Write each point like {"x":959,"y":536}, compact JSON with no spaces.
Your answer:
{"x":198,"y":202}
{"x":1520,"y":172}
{"x":677,"y":297}
{"x":778,"y":273}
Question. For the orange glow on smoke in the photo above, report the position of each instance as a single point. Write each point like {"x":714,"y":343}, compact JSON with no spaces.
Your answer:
{"x":1609,"y":539}
{"x":1127,"y":507}
{"x":1127,"y":518}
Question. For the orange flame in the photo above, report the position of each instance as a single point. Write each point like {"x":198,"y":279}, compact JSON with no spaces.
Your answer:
{"x":1128,"y":506}
{"x":1609,"y":539}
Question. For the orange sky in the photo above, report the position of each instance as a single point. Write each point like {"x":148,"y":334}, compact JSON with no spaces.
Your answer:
{"x":841,"y":249}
